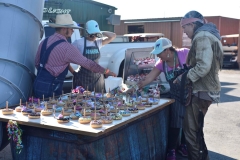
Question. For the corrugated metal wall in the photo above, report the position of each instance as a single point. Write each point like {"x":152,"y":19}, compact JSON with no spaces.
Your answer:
{"x":173,"y":30}
{"x":229,"y":26}
{"x":82,"y":11}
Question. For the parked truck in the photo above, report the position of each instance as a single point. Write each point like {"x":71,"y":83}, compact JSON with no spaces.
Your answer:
{"x":230,"y":50}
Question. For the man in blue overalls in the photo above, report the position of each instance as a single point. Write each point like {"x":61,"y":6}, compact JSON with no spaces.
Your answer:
{"x":90,"y":46}
{"x":54,"y":56}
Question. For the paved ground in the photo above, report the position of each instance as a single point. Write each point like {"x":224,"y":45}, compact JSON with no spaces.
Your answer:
{"x":222,"y":122}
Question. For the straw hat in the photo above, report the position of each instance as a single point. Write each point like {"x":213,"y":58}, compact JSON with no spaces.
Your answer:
{"x":65,"y":21}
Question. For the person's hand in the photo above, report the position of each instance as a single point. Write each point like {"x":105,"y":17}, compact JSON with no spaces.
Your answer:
{"x":130,"y":91}
{"x":110,"y":74}
{"x":140,"y":84}
{"x":178,"y":79}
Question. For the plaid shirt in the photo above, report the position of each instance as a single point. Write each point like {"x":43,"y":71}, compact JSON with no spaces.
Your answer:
{"x":62,"y":55}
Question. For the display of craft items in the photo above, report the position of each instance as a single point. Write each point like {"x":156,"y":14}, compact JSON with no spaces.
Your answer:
{"x":148,"y":103}
{"x":144,"y":61}
{"x":125,"y":113}
{"x":121,"y":106}
{"x":136,"y":78}
{"x":85,"y":119}
{"x":133,"y":79}
{"x":19,"y":108}
{"x":57,"y":108}
{"x":153,"y":100}
{"x":138,"y":101}
{"x":154,"y":93}
{"x":141,"y":106}
{"x":107,"y":119}
{"x":60,"y":103}
{"x":102,"y":112}
{"x":95,"y":115}
{"x":109,"y":94}
{"x":74,"y":93}
{"x":7,"y":111}
{"x":129,"y":101}
{"x":25,"y":110}
{"x":49,"y":105}
{"x":116,"y":116}
{"x":78,"y":90}
{"x":96,"y":123}
{"x":67,"y":111}
{"x":62,"y":119}
{"x":76,"y":114}
{"x":144,"y":95}
{"x":87,"y":111}
{"x":46,"y":111}
{"x":79,"y":108}
{"x":65,"y":98}
{"x":31,"y":103}
{"x":133,"y":110}
{"x":34,"y":115}
{"x":52,"y":100}
{"x":113,"y":109}
{"x":39,"y":107}
{"x":97,"y":108}
{"x":119,"y":102}
{"x":87,"y":92}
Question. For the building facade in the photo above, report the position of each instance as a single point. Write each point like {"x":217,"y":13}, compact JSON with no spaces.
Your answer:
{"x":171,"y":28}
{"x":81,"y":11}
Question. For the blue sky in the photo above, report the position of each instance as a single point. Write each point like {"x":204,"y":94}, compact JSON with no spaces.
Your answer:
{"x":137,"y":9}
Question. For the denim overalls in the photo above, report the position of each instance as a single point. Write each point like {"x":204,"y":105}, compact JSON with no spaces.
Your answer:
{"x":45,"y":83}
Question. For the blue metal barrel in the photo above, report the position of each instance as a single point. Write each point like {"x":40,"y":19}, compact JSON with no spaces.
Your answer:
{"x":21,"y":31}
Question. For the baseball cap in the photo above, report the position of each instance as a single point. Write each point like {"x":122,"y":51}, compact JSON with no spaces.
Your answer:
{"x":92,"y":27}
{"x":160,"y":45}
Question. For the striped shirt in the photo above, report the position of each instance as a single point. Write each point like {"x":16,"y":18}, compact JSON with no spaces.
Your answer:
{"x":64,"y":54}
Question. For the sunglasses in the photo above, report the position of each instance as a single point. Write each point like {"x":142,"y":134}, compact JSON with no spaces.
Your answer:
{"x":98,"y":35}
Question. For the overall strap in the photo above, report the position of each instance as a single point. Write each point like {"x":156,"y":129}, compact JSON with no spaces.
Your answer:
{"x":84,"y":49}
{"x":44,"y":46}
{"x":97,"y":46}
{"x":46,"y":52}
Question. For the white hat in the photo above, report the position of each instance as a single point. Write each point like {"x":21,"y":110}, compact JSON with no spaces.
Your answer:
{"x":160,"y":45}
{"x":64,"y":20}
{"x":92,"y":27}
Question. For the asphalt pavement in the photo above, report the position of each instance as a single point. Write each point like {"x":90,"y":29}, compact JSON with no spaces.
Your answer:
{"x":222,"y":122}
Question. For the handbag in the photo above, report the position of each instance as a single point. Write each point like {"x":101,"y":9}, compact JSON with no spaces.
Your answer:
{"x":181,"y":91}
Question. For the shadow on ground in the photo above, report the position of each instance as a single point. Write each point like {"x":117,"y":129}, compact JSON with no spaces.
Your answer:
{"x":217,"y":156}
{"x":226,"y":87}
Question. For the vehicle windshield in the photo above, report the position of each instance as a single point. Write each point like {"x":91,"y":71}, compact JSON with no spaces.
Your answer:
{"x":230,"y":40}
